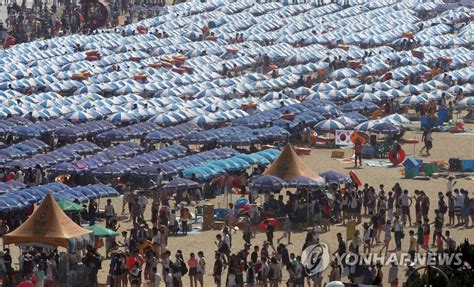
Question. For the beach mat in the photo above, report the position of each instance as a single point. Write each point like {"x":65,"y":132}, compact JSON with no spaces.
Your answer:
{"x":378,"y":163}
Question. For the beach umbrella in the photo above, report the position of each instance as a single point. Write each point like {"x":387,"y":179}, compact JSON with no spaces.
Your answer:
{"x":181,"y":184}
{"x":365,"y":126}
{"x":456,"y":89}
{"x":263,"y":225}
{"x":112,"y":170}
{"x":99,"y":231}
{"x":359,"y":118}
{"x":163,"y":120}
{"x":266,"y":183}
{"x":304,"y":182}
{"x":335,"y":177}
{"x":394,"y":84}
{"x":365,"y":88}
{"x":383,"y":86}
{"x":239,"y":139}
{"x":254,"y":159}
{"x":348,"y":122}
{"x":368,"y":98}
{"x":344,"y":73}
{"x":26,"y":132}
{"x":72,"y":133}
{"x":329,"y":126}
{"x":425,"y":87}
{"x":121,"y":117}
{"x":116,"y":135}
{"x":411,"y":89}
{"x":79,"y":116}
{"x":350,"y":82}
{"x":385,"y":128}
{"x":398,"y":118}
{"x":69,"y":206}
{"x":394,"y":93}
{"x":322,"y":87}
{"x":466,"y":102}
{"x":413,"y":100}
{"x":352,"y":106}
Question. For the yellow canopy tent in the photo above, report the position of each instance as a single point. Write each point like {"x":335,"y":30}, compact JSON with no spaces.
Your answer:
{"x":289,"y":166}
{"x":47,"y":225}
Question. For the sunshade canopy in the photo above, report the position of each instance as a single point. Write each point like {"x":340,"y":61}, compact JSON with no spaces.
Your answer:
{"x":289,"y":166}
{"x":47,"y":225}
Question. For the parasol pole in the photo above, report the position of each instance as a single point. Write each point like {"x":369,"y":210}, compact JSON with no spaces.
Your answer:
{"x":307,"y":208}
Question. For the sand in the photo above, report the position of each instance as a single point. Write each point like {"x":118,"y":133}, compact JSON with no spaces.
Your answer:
{"x":446,"y":145}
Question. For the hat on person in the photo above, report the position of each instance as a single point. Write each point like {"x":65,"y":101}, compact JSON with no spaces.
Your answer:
{"x":440,"y":194}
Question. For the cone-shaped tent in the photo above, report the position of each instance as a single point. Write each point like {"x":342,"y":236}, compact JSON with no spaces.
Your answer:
{"x":289,"y":166}
{"x":47,"y":225}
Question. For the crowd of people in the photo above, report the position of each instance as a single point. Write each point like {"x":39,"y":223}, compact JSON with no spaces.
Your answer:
{"x":141,"y":255}
{"x":45,"y":20}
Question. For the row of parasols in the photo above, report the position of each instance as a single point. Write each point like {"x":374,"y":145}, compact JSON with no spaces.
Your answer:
{"x":17,"y":199}
{"x":269,"y":183}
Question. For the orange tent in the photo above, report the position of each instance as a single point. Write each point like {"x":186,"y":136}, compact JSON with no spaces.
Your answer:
{"x":289,"y":166}
{"x":47,"y":225}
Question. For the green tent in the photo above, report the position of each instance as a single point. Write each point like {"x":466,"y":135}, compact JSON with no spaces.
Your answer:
{"x":69,"y":206}
{"x":101,"y":231}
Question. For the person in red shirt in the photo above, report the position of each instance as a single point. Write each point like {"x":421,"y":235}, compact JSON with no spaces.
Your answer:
{"x":357,"y":151}
{"x":11,"y":175}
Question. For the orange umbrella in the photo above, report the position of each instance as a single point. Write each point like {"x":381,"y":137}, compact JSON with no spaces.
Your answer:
{"x":263,"y":225}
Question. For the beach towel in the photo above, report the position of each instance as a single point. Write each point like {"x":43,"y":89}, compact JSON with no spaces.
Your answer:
{"x":465,"y":134}
{"x":378,"y":163}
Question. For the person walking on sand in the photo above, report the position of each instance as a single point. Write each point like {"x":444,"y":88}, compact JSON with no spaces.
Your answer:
{"x":427,"y":139}
{"x":388,"y":236}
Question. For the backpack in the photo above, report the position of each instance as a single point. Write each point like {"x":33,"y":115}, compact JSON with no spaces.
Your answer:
{"x":184,"y":268}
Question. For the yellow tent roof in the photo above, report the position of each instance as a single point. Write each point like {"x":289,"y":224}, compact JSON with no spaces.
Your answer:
{"x":47,"y":225}
{"x":289,"y":166}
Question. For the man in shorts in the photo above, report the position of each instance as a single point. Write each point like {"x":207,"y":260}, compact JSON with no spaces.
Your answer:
{"x":405,"y":203}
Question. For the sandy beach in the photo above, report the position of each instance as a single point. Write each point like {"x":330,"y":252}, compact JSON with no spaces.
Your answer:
{"x":446,"y":145}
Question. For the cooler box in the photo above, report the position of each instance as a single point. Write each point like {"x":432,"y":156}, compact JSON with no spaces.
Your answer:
{"x":429,"y":169}
{"x":412,"y":167}
{"x":467,"y":165}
